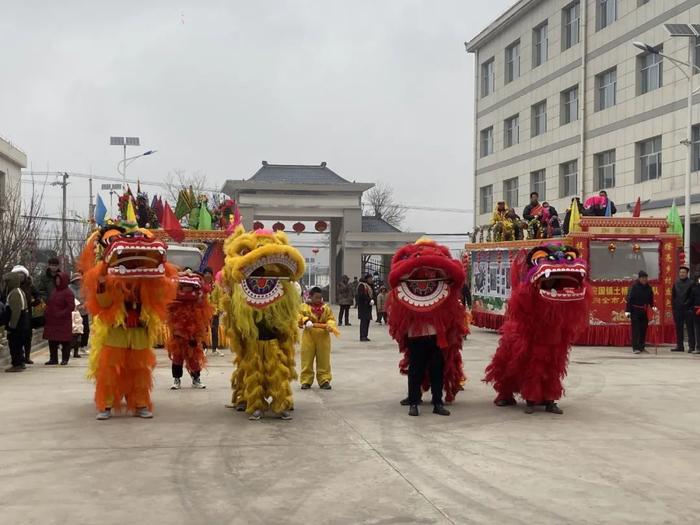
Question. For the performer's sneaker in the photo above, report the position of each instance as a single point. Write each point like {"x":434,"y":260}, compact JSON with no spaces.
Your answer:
{"x":197,"y":383}
{"x":508,"y":402}
{"x":285,"y":415}
{"x":440,"y":410}
{"x":143,"y":412}
{"x":305,"y":386}
{"x":104,"y":415}
{"x":240,"y":407}
{"x":220,"y":353}
{"x":176,"y":384}
{"x":406,"y":402}
{"x":326,"y":386}
{"x":413,"y":410}
{"x":255,"y":416}
{"x":530,"y":408}
{"x":637,"y":352}
{"x":553,"y":408}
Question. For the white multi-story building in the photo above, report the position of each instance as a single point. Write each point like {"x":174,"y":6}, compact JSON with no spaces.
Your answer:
{"x":12,"y":160}
{"x":565,"y":105}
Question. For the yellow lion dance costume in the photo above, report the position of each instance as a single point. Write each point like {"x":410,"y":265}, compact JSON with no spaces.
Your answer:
{"x":127,"y":286}
{"x":261,"y":319}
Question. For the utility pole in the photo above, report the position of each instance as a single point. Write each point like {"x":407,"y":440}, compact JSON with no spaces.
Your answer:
{"x":64,"y":230}
{"x":91,"y":208}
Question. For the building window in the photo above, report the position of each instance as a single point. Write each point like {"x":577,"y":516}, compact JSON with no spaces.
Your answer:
{"x":568,"y":179}
{"x":650,"y":67}
{"x":539,"y":45}
{"x":488,"y":78}
{"x":605,"y":169}
{"x":606,"y":13}
{"x":538,"y":183}
{"x":511,"y":131}
{"x":539,"y":118}
{"x":510,"y":192}
{"x":513,"y":61}
{"x":486,"y":198}
{"x":606,"y":83}
{"x":697,"y":55}
{"x":649,"y":159}
{"x":487,"y":141}
{"x":570,"y":25}
{"x":695,"y":152}
{"x":569,"y":105}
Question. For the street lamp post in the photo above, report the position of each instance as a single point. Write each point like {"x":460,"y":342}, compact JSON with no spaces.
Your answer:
{"x":688,"y":141}
{"x":128,"y":160}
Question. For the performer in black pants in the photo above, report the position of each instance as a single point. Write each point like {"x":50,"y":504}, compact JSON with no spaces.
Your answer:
{"x":425,"y":355}
{"x":365,"y":302}
{"x":683,"y":313}
{"x":639,"y":300}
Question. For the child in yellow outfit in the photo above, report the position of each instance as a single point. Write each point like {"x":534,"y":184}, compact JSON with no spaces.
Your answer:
{"x":318,"y":322}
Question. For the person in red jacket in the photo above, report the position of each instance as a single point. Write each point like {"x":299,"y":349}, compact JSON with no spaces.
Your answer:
{"x":58,"y":321}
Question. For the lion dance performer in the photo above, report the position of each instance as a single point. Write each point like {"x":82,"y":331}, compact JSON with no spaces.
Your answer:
{"x":189,"y":320}
{"x":261,"y":269}
{"x":427,"y":319}
{"x":127,"y":285}
{"x":548,"y":306}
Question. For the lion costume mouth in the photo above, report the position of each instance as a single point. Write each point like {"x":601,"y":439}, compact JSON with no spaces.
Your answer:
{"x":558,"y":273}
{"x":136,"y":257}
{"x":424,"y":288}
{"x":263,"y":279}
{"x":189,"y":286}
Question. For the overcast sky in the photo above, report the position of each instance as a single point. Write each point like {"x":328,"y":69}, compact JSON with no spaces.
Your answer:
{"x":381,"y":90}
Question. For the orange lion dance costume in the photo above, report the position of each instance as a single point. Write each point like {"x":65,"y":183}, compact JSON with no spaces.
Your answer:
{"x":548,"y":306}
{"x":428,"y":320}
{"x":127,"y":286}
{"x":189,"y":319}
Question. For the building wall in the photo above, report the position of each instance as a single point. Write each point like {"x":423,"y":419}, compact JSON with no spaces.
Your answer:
{"x":12,"y":160}
{"x":633,"y":118}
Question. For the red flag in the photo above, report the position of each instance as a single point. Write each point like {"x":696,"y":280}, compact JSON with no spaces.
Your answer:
{"x":637,"y":212}
{"x":172,"y":225}
{"x":158,"y":208}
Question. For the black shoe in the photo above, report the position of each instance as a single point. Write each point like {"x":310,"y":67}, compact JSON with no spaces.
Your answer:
{"x":677,"y":350}
{"x":413,"y":411}
{"x":553,"y":408}
{"x":305,"y":386}
{"x":76,"y":356}
{"x":440,"y":410}
{"x":28,"y":362}
{"x":51,"y":362}
{"x":348,"y":324}
{"x":326,"y":386}
{"x":64,"y":363}
{"x":505,"y":402}
{"x":406,"y":402}
{"x":13,"y":369}
{"x":530,"y":408}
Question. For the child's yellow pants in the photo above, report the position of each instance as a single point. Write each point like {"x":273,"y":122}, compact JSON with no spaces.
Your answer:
{"x":315,"y":345}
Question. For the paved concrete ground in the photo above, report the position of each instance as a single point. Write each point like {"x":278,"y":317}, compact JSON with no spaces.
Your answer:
{"x":627,"y":449}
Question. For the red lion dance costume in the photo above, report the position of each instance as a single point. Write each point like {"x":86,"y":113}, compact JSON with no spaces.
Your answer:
{"x":127,"y":286}
{"x":189,"y":319}
{"x":548,"y":306}
{"x":428,"y":321}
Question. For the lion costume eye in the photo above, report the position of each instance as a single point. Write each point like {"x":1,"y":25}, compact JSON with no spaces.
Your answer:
{"x":244,"y":251}
{"x":539,"y":256}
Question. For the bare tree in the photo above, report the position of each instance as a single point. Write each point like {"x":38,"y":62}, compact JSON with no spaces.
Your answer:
{"x":20,"y":224}
{"x":77,"y":232}
{"x":180,"y":179}
{"x":379,"y":202}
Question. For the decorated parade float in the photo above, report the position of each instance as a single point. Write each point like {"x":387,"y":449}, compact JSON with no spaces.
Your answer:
{"x":616,"y":249}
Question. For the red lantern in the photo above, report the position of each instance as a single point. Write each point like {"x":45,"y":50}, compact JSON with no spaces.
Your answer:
{"x":257,"y":225}
{"x":278,"y":226}
{"x":612,"y":247}
{"x":636,"y":248}
{"x":321,"y":226}
{"x":315,"y":251}
{"x":298,"y":227}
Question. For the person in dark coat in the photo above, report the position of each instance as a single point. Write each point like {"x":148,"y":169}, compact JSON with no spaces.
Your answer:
{"x":694,"y":301}
{"x":58,"y":326}
{"x":18,"y":322}
{"x":365,"y":302}
{"x":466,"y":295}
{"x":32,"y":299}
{"x":345,"y":297}
{"x":639,"y":300}
{"x":683,"y":311}
{"x":613,"y":209}
{"x":47,"y":281}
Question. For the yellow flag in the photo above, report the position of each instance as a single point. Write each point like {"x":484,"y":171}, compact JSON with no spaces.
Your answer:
{"x":130,"y":214}
{"x":574,"y":218}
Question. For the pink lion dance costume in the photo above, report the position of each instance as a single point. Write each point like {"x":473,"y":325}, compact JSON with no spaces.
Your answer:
{"x":547,"y":308}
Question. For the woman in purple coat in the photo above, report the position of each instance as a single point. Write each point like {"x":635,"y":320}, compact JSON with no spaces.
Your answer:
{"x":58,"y":325}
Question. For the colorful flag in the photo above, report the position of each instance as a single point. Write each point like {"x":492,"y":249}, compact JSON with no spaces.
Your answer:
{"x":675,"y":225}
{"x":574,"y":217}
{"x":608,"y":209}
{"x":130,"y":214}
{"x":204,"y":222}
{"x":171,"y":224}
{"x":184,"y":205}
{"x":100,"y":211}
{"x":637,"y":212}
